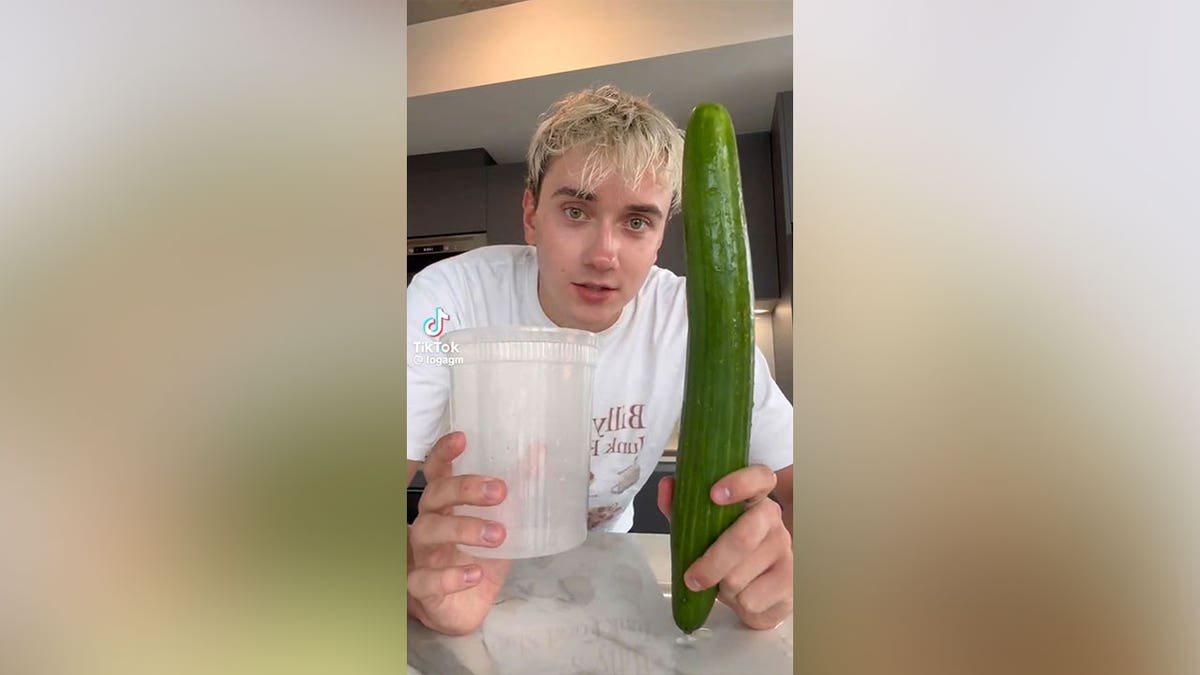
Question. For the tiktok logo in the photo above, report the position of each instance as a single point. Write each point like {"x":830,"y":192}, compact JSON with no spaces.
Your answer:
{"x":436,"y":324}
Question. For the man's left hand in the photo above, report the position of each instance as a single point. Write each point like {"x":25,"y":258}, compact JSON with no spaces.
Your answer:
{"x":751,"y":562}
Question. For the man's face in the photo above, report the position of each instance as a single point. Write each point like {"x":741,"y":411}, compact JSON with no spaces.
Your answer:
{"x":594,"y":249}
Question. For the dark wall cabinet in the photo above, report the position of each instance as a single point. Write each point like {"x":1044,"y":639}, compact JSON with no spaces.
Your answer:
{"x":446,"y":199}
{"x":781,"y":163}
{"x":449,"y":201}
{"x":505,"y":187}
{"x":455,"y":159}
{"x":758,"y":198}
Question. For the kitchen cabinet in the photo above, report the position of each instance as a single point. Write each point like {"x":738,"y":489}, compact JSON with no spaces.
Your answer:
{"x":454,"y":159}
{"x":448,"y":201}
{"x":505,"y":187}
{"x":758,"y":198}
{"x":671,"y":255}
{"x":781,"y":163}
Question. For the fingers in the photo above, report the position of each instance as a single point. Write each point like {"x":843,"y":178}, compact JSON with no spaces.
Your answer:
{"x":432,"y":529}
{"x":448,"y":491}
{"x":430,"y":586}
{"x":752,"y":483}
{"x":768,"y":599}
{"x":745,"y":572}
{"x":666,"y":490}
{"x":735,"y":545}
{"x":437,"y":463}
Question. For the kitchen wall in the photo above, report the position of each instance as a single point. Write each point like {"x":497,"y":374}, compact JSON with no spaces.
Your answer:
{"x":536,"y":38}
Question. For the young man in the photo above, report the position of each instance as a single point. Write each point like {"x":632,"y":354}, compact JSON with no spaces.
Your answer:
{"x":604,"y":176}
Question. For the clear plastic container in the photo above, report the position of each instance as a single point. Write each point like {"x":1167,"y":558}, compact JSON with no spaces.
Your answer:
{"x":523,"y":397}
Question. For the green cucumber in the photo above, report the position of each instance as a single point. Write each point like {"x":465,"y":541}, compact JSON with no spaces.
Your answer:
{"x":718,"y":391}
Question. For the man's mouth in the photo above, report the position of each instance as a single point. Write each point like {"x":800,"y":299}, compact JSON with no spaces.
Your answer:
{"x":597,"y":287}
{"x":594,"y":293}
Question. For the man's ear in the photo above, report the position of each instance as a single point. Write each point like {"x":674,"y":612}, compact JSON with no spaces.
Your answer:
{"x":528,"y":209}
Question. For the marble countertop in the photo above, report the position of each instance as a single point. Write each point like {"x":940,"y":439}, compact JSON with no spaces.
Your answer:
{"x":603,"y":607}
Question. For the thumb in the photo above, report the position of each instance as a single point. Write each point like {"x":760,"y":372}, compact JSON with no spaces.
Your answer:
{"x":666,"y":490}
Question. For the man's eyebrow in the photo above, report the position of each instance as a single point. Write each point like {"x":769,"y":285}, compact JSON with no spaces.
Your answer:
{"x":574,"y":192}
{"x":577,"y":193}
{"x":646,"y":208}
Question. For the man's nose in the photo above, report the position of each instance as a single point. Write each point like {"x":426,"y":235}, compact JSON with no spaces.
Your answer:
{"x":602,"y":254}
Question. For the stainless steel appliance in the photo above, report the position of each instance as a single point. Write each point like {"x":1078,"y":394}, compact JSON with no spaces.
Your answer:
{"x":424,"y":251}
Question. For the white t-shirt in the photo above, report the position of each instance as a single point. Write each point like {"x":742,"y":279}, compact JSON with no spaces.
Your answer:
{"x":638,"y":394}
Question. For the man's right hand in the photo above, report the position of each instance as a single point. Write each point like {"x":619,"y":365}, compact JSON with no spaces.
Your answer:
{"x":448,"y":590}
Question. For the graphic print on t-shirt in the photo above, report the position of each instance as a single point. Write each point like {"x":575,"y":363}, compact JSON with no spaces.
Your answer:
{"x":628,"y":419}
{"x":627,"y":478}
{"x":617,"y":439}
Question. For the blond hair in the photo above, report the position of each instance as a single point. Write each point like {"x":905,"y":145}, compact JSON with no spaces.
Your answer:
{"x":622,"y":133}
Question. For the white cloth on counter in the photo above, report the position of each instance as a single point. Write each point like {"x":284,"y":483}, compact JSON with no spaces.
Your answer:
{"x":638,"y":390}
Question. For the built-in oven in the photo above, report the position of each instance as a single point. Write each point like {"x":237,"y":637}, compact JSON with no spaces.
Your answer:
{"x":424,"y":251}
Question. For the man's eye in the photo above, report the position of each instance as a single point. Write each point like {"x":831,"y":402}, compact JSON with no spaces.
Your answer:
{"x":639,"y":224}
{"x":573,"y":213}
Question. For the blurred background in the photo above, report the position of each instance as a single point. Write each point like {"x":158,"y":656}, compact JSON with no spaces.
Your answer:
{"x":994,"y":302}
{"x":201,"y":312}
{"x":996,"y":319}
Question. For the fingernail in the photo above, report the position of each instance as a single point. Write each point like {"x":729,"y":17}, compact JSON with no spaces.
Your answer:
{"x":693,"y":583}
{"x":492,"y":533}
{"x":721,"y":495}
{"x":472,"y":575}
{"x":491,"y":490}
